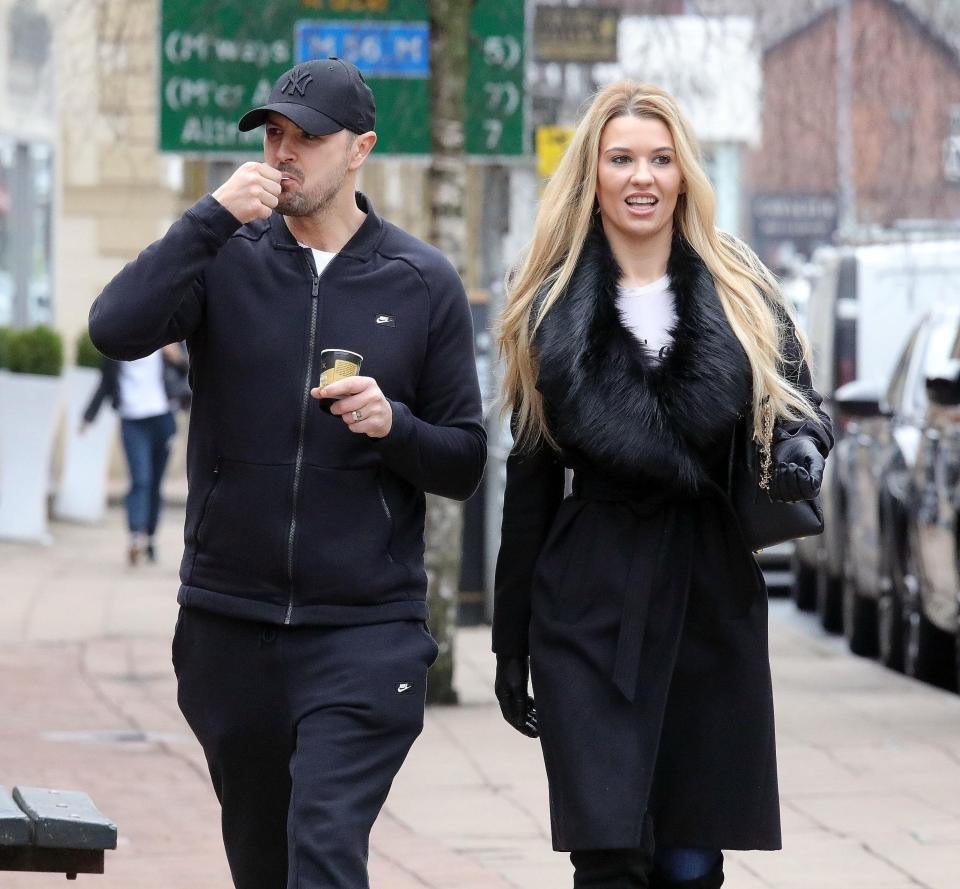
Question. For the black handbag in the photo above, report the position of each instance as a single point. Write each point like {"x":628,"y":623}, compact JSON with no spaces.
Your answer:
{"x":765,"y":522}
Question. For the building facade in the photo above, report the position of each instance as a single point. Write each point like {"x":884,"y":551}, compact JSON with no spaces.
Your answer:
{"x":28,"y":133}
{"x":861,"y":130}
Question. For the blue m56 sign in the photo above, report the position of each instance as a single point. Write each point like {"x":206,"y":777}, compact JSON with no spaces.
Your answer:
{"x":219,"y":58}
{"x":378,"y":49}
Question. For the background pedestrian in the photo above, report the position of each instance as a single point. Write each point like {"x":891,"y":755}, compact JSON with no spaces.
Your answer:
{"x":145,"y":392}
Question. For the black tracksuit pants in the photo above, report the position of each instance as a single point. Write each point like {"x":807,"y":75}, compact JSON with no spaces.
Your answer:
{"x":304,"y":729}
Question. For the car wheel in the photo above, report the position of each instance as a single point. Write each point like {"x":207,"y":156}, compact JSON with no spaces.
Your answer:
{"x":859,"y":621}
{"x":890,"y":627}
{"x":829,"y":586}
{"x":928,"y":652}
{"x":829,"y":599}
{"x":956,"y":660}
{"x":890,"y":617}
{"x":803,"y":591}
{"x":859,"y":612}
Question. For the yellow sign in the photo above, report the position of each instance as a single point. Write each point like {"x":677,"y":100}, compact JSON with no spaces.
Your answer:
{"x":552,"y":142}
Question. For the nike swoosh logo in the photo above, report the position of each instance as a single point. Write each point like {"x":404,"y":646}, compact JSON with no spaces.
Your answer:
{"x":404,"y":687}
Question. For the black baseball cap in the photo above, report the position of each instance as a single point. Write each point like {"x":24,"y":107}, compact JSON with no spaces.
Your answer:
{"x":321,"y":96}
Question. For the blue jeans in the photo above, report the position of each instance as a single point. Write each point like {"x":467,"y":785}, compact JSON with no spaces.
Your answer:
{"x":678,"y":864}
{"x":146,"y":443}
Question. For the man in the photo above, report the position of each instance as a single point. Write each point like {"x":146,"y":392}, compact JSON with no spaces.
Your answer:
{"x":301,"y":650}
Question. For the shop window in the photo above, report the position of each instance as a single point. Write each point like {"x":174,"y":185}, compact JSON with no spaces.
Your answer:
{"x":7,"y":285}
{"x":26,"y":233}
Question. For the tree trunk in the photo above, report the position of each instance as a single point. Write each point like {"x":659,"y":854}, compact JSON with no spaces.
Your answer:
{"x":449,"y":30}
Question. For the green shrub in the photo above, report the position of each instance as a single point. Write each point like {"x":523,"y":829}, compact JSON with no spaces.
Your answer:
{"x":38,"y":350}
{"x":5,"y":334}
{"x":87,"y":354}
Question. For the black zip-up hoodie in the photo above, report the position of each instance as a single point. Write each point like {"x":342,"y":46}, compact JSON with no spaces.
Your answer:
{"x":292,"y":518}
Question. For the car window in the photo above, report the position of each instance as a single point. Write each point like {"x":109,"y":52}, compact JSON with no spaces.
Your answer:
{"x":898,"y":381}
{"x":939,"y":343}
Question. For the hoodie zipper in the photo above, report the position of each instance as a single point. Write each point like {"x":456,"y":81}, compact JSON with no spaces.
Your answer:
{"x":386,"y":512}
{"x":305,"y":402}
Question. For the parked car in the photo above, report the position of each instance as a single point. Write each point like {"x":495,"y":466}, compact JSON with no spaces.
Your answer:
{"x":860,"y":313}
{"x":931,"y":569}
{"x":883,"y":432}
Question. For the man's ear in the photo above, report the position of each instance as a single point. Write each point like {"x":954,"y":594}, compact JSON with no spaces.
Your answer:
{"x":362,"y":146}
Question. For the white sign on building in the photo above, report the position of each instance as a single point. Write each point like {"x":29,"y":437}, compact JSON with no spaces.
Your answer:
{"x":711,"y":65}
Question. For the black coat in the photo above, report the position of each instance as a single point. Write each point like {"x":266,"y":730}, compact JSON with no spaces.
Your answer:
{"x":640,"y":604}
{"x":292,"y":518}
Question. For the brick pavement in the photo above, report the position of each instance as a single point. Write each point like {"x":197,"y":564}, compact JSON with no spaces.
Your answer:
{"x":870,"y":762}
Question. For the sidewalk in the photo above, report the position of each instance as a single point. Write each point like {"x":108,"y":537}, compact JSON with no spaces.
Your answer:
{"x":870,"y":762}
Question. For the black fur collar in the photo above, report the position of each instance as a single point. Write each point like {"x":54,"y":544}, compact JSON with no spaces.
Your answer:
{"x":607,"y":400}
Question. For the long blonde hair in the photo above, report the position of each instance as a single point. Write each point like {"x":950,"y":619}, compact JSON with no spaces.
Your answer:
{"x":748,"y":292}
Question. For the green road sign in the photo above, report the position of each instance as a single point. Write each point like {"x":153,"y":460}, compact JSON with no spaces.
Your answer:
{"x":494,"y":122}
{"x":218,"y":58}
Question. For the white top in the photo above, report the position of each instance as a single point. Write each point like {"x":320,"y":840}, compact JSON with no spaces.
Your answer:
{"x":142,"y":393}
{"x":321,"y":258}
{"x":649,"y":314}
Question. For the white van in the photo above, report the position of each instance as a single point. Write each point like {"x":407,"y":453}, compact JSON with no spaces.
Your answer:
{"x":863,"y":304}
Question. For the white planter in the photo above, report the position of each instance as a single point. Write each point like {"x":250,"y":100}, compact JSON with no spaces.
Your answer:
{"x":82,"y":494}
{"x":29,"y":409}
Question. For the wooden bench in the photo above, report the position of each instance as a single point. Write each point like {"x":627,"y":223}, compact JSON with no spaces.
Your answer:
{"x":55,"y":831}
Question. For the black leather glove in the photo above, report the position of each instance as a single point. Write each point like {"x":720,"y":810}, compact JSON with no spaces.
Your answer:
{"x":511,"y":689}
{"x":798,"y":469}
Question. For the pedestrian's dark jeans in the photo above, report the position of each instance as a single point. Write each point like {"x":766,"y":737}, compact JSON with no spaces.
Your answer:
{"x":676,"y":868}
{"x":304,"y":729}
{"x":680,"y":865}
{"x":146,"y":443}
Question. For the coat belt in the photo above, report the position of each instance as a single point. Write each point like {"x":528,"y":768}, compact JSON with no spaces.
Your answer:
{"x":698,"y":542}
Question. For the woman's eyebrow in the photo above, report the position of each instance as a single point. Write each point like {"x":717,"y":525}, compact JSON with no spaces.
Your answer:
{"x":629,"y":150}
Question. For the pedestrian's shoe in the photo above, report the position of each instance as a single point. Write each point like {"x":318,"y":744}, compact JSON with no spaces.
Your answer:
{"x":711,"y":880}
{"x":134,"y":551}
{"x":150,"y":552}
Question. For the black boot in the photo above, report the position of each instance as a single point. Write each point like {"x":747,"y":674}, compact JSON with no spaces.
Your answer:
{"x":713,"y":879}
{"x":611,"y":869}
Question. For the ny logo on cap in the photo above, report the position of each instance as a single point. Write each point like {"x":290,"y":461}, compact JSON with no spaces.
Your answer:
{"x":296,"y":82}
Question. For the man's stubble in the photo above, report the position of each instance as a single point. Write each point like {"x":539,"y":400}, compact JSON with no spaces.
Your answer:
{"x":316,"y":201}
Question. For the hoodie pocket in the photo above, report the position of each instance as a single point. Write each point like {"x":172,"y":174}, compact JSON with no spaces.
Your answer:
{"x":344,"y":530}
{"x":241,"y":535}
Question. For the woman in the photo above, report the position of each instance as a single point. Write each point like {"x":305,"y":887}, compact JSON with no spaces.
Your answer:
{"x":145,"y":393}
{"x":638,"y":340}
